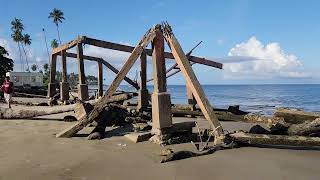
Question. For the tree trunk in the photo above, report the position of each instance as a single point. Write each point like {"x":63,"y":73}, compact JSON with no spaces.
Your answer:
{"x":20,"y":57}
{"x":58,"y":34}
{"x":26,"y":57}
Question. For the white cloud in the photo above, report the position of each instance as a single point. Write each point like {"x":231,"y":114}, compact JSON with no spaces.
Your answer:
{"x":263,"y":62}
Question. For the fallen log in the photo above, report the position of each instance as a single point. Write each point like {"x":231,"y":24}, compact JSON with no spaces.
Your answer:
{"x":31,"y":112}
{"x":99,"y":107}
{"x":264,"y":139}
{"x":308,"y":128}
{"x":295,"y":116}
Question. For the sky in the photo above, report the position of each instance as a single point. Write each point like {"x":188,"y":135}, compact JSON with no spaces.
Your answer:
{"x":259,"y":42}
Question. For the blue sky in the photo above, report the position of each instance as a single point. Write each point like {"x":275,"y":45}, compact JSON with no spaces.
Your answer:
{"x":283,"y":36}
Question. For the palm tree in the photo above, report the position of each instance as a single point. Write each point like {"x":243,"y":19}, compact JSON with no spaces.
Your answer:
{"x":57,"y":17}
{"x":54,"y":43}
{"x":17,"y":27}
{"x":26,"y":40}
{"x":34,"y":67}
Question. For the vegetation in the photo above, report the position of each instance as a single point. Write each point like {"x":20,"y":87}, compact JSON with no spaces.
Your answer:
{"x":6,"y":64}
{"x":57,"y":16}
{"x":34,"y":67}
{"x":17,"y":27}
{"x":54,"y":44}
{"x":26,"y":40}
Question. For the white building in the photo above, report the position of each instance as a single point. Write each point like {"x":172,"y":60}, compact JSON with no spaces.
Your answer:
{"x":26,"y":78}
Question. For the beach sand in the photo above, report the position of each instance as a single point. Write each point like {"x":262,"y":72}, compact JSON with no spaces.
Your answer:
{"x":29,"y":150}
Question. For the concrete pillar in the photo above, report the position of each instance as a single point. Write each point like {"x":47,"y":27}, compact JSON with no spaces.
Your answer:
{"x":64,"y":85}
{"x":82,"y":87}
{"x":143,"y":98}
{"x":100,"y":79}
{"x":191,"y":100}
{"x":161,"y":102}
{"x":52,"y":78}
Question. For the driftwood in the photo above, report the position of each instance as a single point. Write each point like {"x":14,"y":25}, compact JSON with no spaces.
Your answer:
{"x":94,"y":114}
{"x":13,"y":113}
{"x":296,"y":116}
{"x":308,"y":128}
{"x":264,"y":139}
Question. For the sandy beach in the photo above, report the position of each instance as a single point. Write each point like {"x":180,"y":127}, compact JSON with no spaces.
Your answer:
{"x":29,"y":150}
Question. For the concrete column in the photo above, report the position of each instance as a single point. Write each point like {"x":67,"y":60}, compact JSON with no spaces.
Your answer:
{"x":191,"y":100}
{"x":161,"y":102}
{"x":52,"y":78}
{"x":64,"y":85}
{"x":143,"y":98}
{"x":82,"y":87}
{"x":100,"y":79}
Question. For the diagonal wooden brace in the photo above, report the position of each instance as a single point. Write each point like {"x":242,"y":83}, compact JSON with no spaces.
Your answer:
{"x":193,"y":83}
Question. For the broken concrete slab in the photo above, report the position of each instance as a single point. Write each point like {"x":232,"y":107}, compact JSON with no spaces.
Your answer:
{"x":138,"y":137}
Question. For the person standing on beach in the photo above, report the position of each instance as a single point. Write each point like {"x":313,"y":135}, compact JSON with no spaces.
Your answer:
{"x":7,"y":88}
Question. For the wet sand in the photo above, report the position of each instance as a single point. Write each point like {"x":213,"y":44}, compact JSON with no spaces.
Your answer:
{"x":29,"y":150}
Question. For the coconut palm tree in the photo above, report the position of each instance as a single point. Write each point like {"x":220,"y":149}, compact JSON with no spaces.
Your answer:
{"x":26,"y":40}
{"x":57,"y":16}
{"x":54,"y":43}
{"x":17,"y":27}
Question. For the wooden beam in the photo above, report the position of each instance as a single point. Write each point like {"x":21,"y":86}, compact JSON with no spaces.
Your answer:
{"x":67,"y":46}
{"x":100,"y":79}
{"x":82,"y":77}
{"x":193,"y":82}
{"x":107,"y":64}
{"x":129,"y":49}
{"x":64,"y":66}
{"x":98,"y":108}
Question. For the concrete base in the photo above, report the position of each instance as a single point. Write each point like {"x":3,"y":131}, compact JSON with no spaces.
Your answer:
{"x":143,"y":99}
{"x":52,"y":89}
{"x":161,"y":112}
{"x":83,"y":92}
{"x":64,"y":91}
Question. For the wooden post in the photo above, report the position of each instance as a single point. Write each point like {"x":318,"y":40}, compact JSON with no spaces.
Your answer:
{"x":100,"y":79}
{"x":161,"y":103}
{"x":82,"y":87}
{"x":143,"y":99}
{"x":191,"y":100}
{"x":52,"y":79}
{"x":64,"y":85}
{"x":194,"y":84}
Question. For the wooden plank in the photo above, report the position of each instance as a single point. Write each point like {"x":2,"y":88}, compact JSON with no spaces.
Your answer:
{"x":193,"y":83}
{"x":143,"y":71}
{"x":98,"y":108}
{"x":129,"y":49}
{"x":67,"y":46}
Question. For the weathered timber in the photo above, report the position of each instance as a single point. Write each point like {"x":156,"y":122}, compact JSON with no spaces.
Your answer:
{"x":129,"y":49}
{"x":193,"y":82}
{"x":161,"y":102}
{"x":98,"y":108}
{"x":295,"y":116}
{"x":138,"y":137}
{"x":307,"y":128}
{"x":143,"y":100}
{"x":263,"y":139}
{"x":100,"y":79}
{"x":67,"y":46}
{"x":69,"y":132}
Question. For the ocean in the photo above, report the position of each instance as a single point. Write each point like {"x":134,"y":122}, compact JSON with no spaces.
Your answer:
{"x":263,"y":99}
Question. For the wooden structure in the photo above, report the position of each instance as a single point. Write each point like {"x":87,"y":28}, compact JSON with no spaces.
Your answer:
{"x":161,"y":102}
